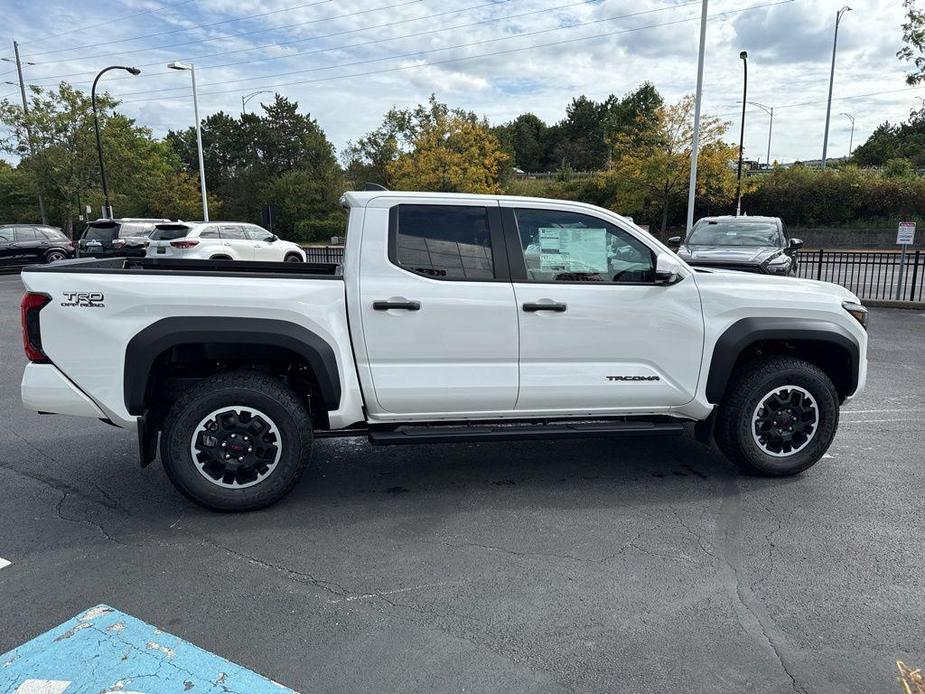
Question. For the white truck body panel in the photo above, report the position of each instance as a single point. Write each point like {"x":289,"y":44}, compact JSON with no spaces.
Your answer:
{"x":469,"y":353}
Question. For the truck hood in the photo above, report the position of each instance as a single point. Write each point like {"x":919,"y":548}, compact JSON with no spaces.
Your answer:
{"x":770,"y":285}
{"x":741,"y":255}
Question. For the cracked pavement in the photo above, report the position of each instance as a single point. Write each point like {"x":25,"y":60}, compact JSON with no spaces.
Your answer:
{"x":582,"y":566}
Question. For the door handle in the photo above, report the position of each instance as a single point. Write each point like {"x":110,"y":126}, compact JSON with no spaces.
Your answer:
{"x":389,"y":305}
{"x":552,"y":306}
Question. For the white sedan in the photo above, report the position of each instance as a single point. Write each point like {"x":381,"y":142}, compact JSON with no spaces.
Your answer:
{"x":220,"y":241}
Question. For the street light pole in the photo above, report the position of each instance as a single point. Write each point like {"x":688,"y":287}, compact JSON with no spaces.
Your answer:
{"x":744,"y":56}
{"x":247,"y":97}
{"x":850,"y":141}
{"x":770,"y":111}
{"x":107,"y":207}
{"x":202,"y":168}
{"x":695,"y":141}
{"x":828,"y":109}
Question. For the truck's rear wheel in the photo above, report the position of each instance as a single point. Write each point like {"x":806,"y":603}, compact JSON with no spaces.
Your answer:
{"x":237,"y":441}
{"x":778,"y":417}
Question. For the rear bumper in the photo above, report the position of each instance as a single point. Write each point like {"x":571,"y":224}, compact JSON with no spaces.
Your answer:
{"x":45,"y":389}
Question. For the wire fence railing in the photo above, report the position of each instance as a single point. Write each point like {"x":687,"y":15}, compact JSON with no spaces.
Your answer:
{"x":868,"y":274}
{"x":324,"y":254}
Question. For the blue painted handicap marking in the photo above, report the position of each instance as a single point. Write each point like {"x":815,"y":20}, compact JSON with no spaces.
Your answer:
{"x":104,"y":651}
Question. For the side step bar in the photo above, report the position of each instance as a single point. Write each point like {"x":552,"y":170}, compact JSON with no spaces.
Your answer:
{"x":409,"y":434}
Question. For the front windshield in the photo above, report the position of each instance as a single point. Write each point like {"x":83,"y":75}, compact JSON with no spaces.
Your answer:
{"x":734,"y":234}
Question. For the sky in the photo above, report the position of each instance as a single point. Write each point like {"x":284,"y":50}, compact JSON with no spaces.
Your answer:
{"x":347,"y":62}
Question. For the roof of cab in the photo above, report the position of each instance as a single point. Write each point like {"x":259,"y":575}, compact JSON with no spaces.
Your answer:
{"x":361,"y":198}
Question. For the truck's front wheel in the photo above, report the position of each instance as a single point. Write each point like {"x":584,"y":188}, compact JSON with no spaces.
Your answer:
{"x":237,"y":441}
{"x":778,"y":417}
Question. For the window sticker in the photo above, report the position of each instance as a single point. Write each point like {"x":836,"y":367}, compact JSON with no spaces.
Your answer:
{"x":573,"y":250}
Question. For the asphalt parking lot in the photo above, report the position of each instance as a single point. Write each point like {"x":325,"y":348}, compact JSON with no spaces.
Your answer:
{"x":589,"y":566}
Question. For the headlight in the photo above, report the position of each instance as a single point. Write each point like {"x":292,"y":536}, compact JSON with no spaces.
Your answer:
{"x":859,"y":312}
{"x":779,"y":263}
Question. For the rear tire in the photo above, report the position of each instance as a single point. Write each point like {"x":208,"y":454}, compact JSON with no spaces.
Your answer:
{"x":778,"y":416}
{"x":55,"y":256}
{"x":238,"y":441}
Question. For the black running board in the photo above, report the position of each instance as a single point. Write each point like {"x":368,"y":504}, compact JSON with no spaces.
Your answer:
{"x":410,"y":434}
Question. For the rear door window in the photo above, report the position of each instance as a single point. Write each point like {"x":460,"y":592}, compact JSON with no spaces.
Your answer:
{"x":232,"y":231}
{"x":449,"y":242}
{"x":6,"y":235}
{"x":25,"y":234}
{"x":210,"y":233}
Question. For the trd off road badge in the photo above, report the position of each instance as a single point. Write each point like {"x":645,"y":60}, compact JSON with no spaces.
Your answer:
{"x":83,"y":299}
{"x":633,"y":378}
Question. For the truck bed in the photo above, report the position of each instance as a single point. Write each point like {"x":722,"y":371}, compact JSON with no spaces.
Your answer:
{"x":158,"y":266}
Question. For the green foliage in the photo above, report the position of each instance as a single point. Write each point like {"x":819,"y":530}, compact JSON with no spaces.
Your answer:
{"x":905,"y":140}
{"x":319,"y":230}
{"x":835,"y":196}
{"x":913,"y":50}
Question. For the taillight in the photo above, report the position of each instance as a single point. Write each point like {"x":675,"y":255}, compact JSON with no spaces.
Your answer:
{"x":186,"y":243}
{"x":118,"y":243}
{"x":29,"y":308}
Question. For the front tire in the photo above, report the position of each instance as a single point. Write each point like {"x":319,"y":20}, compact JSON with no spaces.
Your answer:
{"x":238,"y":441}
{"x":55,"y":256}
{"x":778,"y":417}
{"x":294,"y":258}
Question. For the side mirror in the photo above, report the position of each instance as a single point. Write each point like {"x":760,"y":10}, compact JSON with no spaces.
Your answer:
{"x":674,"y":242}
{"x":667,"y":270}
{"x":273,"y":237}
{"x":796,"y":243}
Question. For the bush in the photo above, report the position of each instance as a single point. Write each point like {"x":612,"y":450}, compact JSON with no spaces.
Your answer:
{"x":319,"y":230}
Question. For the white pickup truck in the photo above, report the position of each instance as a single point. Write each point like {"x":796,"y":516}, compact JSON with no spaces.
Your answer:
{"x":453,"y":318}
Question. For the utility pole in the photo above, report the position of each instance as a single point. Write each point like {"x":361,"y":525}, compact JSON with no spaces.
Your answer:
{"x":828,"y":108}
{"x":25,"y":110}
{"x":850,"y":141}
{"x":770,"y":111}
{"x":744,"y":56}
{"x":695,"y":143}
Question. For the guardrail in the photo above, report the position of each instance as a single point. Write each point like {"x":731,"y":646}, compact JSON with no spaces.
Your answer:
{"x":868,"y":274}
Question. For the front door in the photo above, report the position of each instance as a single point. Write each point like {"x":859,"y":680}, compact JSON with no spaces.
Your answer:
{"x":264,"y":244}
{"x":7,"y":246}
{"x":597,"y":335}
{"x":437,"y":310}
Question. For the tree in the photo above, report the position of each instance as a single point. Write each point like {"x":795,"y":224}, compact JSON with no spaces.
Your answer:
{"x":582,"y":141}
{"x":905,"y":140}
{"x":526,"y":140}
{"x":650,"y":171}
{"x":429,"y":147}
{"x":913,"y":50}
{"x":451,"y":154}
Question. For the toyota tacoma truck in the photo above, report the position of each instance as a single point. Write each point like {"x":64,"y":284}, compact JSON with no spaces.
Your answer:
{"x":453,"y":318}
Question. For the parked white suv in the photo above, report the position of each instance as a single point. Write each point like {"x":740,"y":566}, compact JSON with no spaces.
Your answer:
{"x":220,"y":241}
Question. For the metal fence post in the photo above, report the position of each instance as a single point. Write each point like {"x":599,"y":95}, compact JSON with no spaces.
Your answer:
{"x":819,"y":265}
{"x":915,"y":275}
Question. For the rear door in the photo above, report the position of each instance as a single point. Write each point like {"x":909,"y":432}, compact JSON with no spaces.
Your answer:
{"x":437,"y":309}
{"x":29,"y":245}
{"x":235,"y":241}
{"x":597,"y":335}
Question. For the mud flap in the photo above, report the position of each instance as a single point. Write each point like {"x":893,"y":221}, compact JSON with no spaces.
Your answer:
{"x":703,"y":430}
{"x":147,"y":440}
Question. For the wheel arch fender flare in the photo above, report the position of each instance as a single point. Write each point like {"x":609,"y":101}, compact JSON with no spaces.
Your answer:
{"x":748,"y":331}
{"x":147,"y":345}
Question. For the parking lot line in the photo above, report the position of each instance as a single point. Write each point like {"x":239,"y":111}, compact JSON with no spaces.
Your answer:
{"x":121,"y":650}
{"x":4,"y":563}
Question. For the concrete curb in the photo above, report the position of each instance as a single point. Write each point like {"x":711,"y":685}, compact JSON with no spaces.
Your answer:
{"x":888,"y":303}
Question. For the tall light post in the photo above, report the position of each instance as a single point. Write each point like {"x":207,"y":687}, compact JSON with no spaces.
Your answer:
{"x":744,"y":56}
{"x":107,"y":207}
{"x":695,"y":139}
{"x":851,"y":141}
{"x":202,"y":169}
{"x":828,"y":109}
{"x":770,"y":111}
{"x":247,"y":97}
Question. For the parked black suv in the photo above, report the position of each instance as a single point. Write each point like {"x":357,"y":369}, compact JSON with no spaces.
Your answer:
{"x":26,"y":244}
{"x":107,"y":238}
{"x":750,"y":244}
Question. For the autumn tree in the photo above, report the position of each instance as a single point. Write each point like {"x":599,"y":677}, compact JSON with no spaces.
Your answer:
{"x":429,"y":147}
{"x":651,"y":169}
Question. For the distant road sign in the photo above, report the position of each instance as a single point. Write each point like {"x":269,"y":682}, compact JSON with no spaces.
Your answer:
{"x":906,"y":234}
